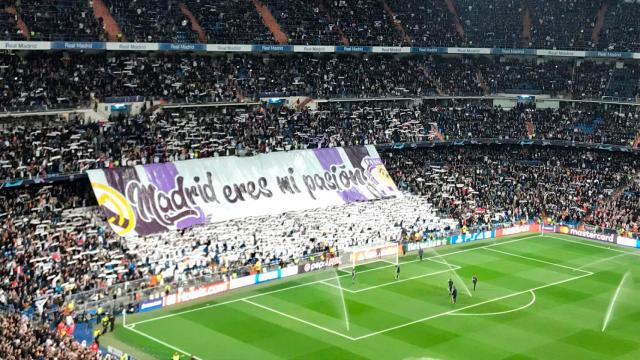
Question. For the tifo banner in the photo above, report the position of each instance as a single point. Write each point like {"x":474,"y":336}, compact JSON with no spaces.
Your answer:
{"x":148,"y":199}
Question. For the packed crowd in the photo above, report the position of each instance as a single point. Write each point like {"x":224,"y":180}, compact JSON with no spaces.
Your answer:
{"x":230,"y":22}
{"x":491,"y":184}
{"x":55,"y":244}
{"x":22,"y":339}
{"x":147,"y":21}
{"x":620,"y":27}
{"x":565,"y":25}
{"x":60,"y":20}
{"x":71,"y":80}
{"x":363,"y":22}
{"x":43,"y":146}
{"x":286,"y":238}
{"x":504,"y":29}
{"x":425,"y":23}
{"x":305,"y":23}
{"x":585,"y":123}
{"x":8,"y":27}
{"x":620,"y":212}
{"x":571,"y":24}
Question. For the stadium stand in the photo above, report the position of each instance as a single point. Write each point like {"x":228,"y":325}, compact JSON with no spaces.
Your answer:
{"x":61,"y":20}
{"x":594,"y":25}
{"x":37,"y":81}
{"x":478,"y":185}
{"x":504,"y":29}
{"x":282,"y":239}
{"x":305,"y":23}
{"x":24,"y":339}
{"x":568,"y":24}
{"x":8,"y":26}
{"x":620,"y":27}
{"x":230,"y":22}
{"x":43,"y":146}
{"x":428,"y":24}
{"x":621,"y":211}
{"x":56,"y":244}
{"x":149,"y":21}
{"x":364,"y":22}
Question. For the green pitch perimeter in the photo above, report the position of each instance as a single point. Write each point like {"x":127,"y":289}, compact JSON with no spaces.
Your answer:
{"x":537,"y":297}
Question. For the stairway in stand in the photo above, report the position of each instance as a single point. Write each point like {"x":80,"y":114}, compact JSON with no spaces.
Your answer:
{"x":271,"y":23}
{"x":595,"y":35}
{"x":531,"y":130}
{"x":195,"y":24}
{"x":19,"y":23}
{"x":100,"y":10}
{"x":455,"y":17}
{"x":406,"y":40}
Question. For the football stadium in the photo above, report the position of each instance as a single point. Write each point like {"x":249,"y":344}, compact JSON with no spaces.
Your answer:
{"x":319,"y":179}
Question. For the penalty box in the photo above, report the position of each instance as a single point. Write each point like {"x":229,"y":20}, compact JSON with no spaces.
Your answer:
{"x":376,"y":303}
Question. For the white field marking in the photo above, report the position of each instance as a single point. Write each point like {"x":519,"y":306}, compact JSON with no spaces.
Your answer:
{"x":469,"y":307}
{"x":298,"y":319}
{"x":603,"y":260}
{"x":607,"y":316}
{"x":539,"y":260}
{"x":533,"y":300}
{"x":403,"y":280}
{"x":587,"y":243}
{"x":320,"y":281}
{"x":388,"y":261}
{"x":131,"y":328}
{"x":326,"y":282}
{"x":435,"y":261}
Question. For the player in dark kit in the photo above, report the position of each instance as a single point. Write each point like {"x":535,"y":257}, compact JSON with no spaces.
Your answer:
{"x":397,"y":272}
{"x":450,"y":285}
{"x":353,"y":275}
{"x":454,"y":295}
{"x":420,"y":253}
{"x":474,"y":280}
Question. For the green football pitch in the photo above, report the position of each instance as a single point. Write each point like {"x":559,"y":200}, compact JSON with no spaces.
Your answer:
{"x":550,"y":297}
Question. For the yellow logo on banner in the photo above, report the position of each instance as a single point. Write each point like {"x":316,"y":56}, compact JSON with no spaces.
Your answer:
{"x":119,"y":205}
{"x":382,"y":175}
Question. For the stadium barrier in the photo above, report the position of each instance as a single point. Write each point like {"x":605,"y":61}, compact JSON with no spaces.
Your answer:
{"x":603,"y":235}
{"x":243,"y":48}
{"x":426,"y":244}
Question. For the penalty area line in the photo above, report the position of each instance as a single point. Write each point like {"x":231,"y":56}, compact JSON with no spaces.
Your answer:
{"x":470,"y":306}
{"x":298,"y":319}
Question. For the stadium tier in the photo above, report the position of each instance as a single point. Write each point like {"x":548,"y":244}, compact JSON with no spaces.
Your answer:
{"x":344,"y":179}
{"x":37,"y":81}
{"x":607,"y":25}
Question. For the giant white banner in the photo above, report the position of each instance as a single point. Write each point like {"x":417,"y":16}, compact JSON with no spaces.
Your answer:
{"x":153,"y":198}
